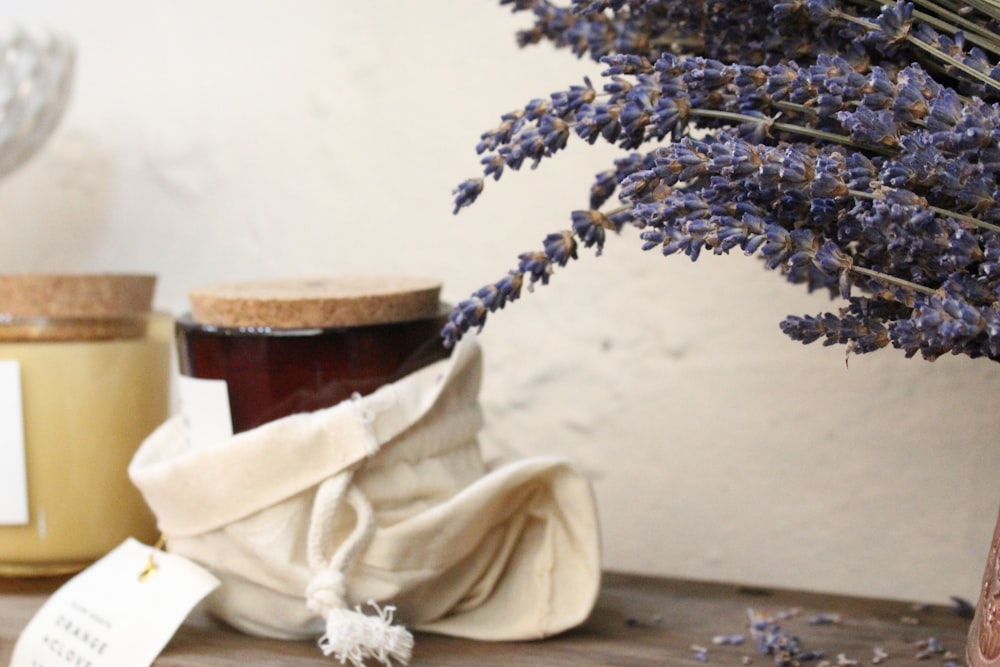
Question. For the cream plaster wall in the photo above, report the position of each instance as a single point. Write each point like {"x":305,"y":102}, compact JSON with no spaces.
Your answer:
{"x":214,"y":140}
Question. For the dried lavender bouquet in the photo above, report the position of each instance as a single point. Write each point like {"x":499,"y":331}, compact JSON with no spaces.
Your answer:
{"x":851,"y":144}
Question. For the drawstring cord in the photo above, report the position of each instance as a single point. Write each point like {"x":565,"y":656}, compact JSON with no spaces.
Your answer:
{"x":351,"y":635}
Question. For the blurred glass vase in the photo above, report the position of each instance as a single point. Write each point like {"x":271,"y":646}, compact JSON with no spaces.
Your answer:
{"x":36,"y":75}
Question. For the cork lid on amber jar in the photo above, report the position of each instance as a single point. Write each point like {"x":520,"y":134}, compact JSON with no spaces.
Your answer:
{"x":332,"y":302}
{"x":62,"y":306}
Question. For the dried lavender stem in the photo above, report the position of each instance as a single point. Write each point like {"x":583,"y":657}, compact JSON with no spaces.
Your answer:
{"x":927,"y":48}
{"x":961,"y":217}
{"x":906,"y":284}
{"x":958,"y":64}
{"x":794,"y":106}
{"x":988,"y":7}
{"x":789,"y":127}
{"x":953,"y":24}
{"x":971,"y":37}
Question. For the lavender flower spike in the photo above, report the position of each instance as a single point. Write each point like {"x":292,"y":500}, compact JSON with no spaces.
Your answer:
{"x":853,"y":146}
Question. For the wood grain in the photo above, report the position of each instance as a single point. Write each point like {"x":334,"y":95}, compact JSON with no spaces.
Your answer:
{"x":638,"y":621}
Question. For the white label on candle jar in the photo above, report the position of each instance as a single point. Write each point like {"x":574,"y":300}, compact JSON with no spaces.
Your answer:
{"x":122,"y":610}
{"x":13,"y":476}
{"x":205,"y":409}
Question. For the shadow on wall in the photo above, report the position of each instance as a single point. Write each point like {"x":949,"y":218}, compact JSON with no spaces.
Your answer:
{"x":54,"y":208}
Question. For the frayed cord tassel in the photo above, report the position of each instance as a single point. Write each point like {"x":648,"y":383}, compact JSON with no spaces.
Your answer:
{"x":353,"y":636}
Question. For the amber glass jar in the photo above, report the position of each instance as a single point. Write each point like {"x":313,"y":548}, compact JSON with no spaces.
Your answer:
{"x":85,"y":369}
{"x":284,"y":347}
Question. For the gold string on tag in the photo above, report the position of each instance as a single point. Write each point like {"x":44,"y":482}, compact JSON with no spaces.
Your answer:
{"x":151,"y":566}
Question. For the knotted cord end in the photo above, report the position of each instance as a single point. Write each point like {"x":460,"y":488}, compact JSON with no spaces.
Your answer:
{"x":353,"y":636}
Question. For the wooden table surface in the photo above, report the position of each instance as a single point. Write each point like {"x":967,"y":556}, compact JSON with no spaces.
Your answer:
{"x":638,"y":621}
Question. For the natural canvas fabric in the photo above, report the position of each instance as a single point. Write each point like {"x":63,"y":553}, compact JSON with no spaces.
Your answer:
{"x":384,"y":498}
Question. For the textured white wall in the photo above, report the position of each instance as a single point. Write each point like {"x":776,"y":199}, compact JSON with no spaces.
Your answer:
{"x":214,"y":140}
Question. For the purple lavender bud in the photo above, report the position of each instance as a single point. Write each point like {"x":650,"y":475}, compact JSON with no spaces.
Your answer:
{"x":572,"y":99}
{"x":653,"y":238}
{"x":870,"y":127}
{"x":894,"y":22}
{"x":777,"y":248}
{"x":831,"y":259}
{"x":537,"y":265}
{"x":490,"y":297}
{"x":604,"y":185}
{"x":493,"y":166}
{"x":589,"y":227}
{"x":555,"y":133}
{"x":670,"y":113}
{"x":861,"y":171}
{"x":586,"y":126}
{"x":607,"y":117}
{"x":626,"y":63}
{"x":560,"y":247}
{"x":466,"y":192}
{"x":637,"y":185}
{"x":945,"y":111}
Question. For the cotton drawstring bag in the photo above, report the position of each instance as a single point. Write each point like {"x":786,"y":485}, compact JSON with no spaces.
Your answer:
{"x":343,"y":522}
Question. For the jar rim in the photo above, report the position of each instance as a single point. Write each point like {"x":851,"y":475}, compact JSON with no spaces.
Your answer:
{"x":188,"y":323}
{"x":46,"y":328}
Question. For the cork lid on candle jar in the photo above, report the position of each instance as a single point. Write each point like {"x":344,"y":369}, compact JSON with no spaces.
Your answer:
{"x":343,"y":301}
{"x":62,"y":306}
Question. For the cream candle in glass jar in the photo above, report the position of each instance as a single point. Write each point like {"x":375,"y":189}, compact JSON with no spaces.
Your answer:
{"x":84,"y":376}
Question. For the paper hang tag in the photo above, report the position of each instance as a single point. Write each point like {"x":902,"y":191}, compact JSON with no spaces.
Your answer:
{"x":205,"y":409}
{"x":13,"y":474}
{"x":122,"y":610}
